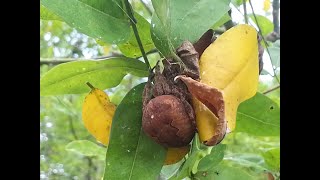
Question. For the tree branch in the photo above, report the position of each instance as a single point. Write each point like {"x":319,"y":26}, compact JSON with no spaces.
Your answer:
{"x":56,"y":61}
{"x":275,"y":35}
{"x":245,"y":12}
{"x":256,"y":20}
{"x":229,"y":24}
{"x":133,"y":22}
{"x":272,"y":89}
{"x":275,"y":14}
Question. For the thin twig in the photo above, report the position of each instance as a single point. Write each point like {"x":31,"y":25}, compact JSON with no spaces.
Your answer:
{"x":133,"y":22}
{"x":73,"y":132}
{"x":88,"y":174}
{"x":56,"y":61}
{"x":245,"y":12}
{"x":72,"y":129}
{"x":146,"y":7}
{"x":272,"y":89}
{"x":265,"y":42}
{"x":229,"y":24}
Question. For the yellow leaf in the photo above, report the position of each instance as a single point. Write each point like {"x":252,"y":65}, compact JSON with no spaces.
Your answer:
{"x":97,"y":114}
{"x":231,"y":65}
{"x":266,"y":5}
{"x":174,"y":155}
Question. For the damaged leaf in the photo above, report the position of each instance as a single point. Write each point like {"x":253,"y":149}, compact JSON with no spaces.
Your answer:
{"x":97,"y":114}
{"x":231,"y":65}
{"x":211,"y":131}
{"x":205,"y":40}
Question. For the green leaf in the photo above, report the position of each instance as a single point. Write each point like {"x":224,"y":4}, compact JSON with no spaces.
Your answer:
{"x":265,"y":72}
{"x":237,"y":2}
{"x":180,"y":20}
{"x":160,"y":37}
{"x":87,"y":148}
{"x":101,"y":19}
{"x":71,"y":78}
{"x":161,"y":10}
{"x":45,"y":14}
{"x":266,"y":26}
{"x":222,"y":20}
{"x":190,"y":166}
{"x":131,"y":154}
{"x":131,"y":47}
{"x":252,"y":161}
{"x":272,"y":159}
{"x":275,"y":54}
{"x":223,"y":171}
{"x":259,"y":116}
{"x":170,"y":170}
{"x":216,"y":155}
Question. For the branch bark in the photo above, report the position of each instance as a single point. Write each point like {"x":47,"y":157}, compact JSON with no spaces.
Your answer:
{"x":245,"y":11}
{"x":254,"y":15}
{"x":275,"y":35}
{"x":275,"y":14}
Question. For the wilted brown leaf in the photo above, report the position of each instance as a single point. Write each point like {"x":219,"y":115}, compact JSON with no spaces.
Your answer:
{"x":212,"y":98}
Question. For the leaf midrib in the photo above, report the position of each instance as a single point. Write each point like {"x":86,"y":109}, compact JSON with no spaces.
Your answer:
{"x":189,"y":12}
{"x":98,"y":69}
{"x":135,"y":155}
{"x":97,"y":10}
{"x":239,"y":71}
{"x":261,"y":121}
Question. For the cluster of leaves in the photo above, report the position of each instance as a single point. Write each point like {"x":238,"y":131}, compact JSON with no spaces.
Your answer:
{"x":107,"y":21}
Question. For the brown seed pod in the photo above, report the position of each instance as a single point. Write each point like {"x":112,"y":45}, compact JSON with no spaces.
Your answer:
{"x":166,"y":121}
{"x":168,"y":115}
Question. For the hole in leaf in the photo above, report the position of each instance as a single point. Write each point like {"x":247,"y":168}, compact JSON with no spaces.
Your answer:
{"x":271,"y":107}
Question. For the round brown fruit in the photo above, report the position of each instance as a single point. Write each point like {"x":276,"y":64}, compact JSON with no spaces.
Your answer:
{"x":165,"y":120}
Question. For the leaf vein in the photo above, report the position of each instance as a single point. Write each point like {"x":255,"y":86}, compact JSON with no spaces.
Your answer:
{"x":261,"y":121}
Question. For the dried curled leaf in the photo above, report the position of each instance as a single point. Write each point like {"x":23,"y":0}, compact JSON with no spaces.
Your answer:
{"x":97,"y":114}
{"x":174,"y":155}
{"x":205,"y":40}
{"x":231,"y":65}
{"x":211,"y":131}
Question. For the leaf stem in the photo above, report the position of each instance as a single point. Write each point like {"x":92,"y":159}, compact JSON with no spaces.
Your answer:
{"x":90,"y":85}
{"x":272,"y":89}
{"x":133,"y":22}
{"x":178,"y":59}
{"x":245,"y":12}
